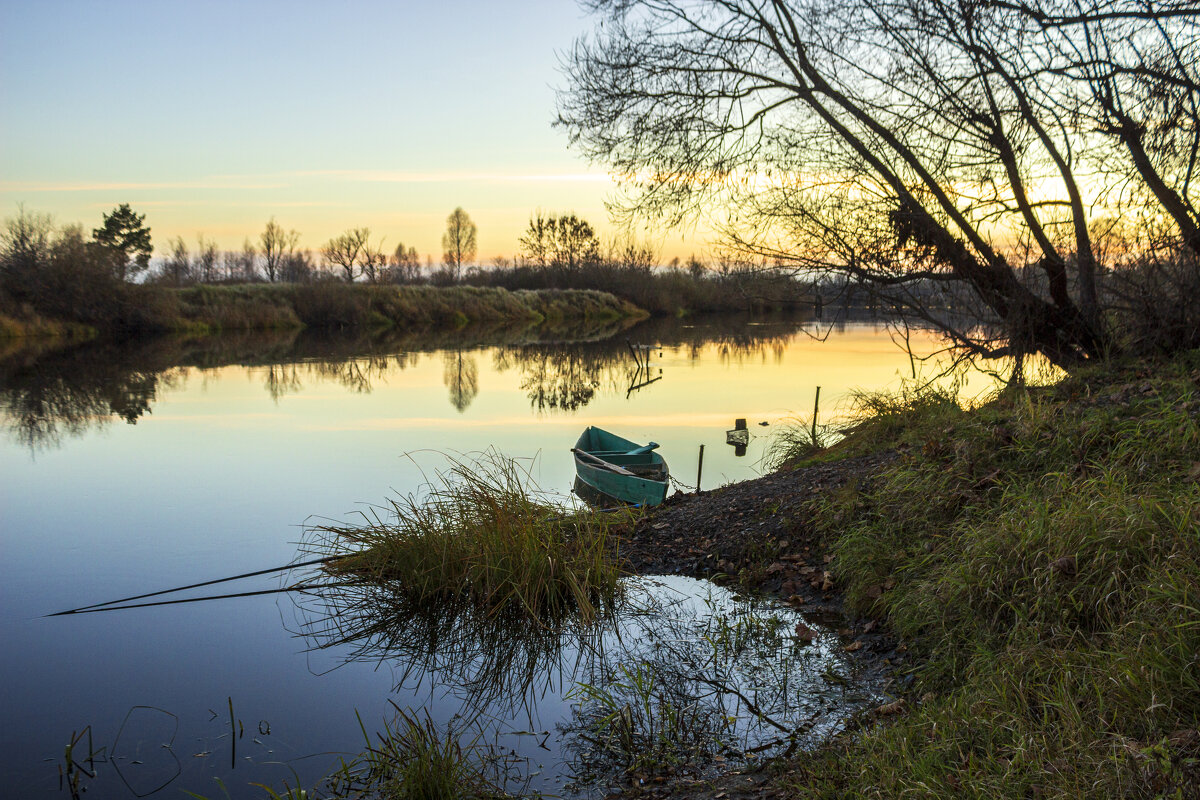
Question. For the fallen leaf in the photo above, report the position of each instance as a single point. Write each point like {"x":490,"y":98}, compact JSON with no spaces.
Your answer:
{"x":891,"y":708}
{"x":828,"y":557}
{"x":1066,"y":565}
{"x":870,"y":626}
{"x":827,"y":584}
{"x":805,"y":633}
{"x":776,"y":567}
{"x":852,"y":647}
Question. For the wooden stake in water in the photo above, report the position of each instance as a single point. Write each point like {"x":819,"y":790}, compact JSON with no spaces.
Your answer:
{"x":816,"y":408}
{"x":699,"y":469}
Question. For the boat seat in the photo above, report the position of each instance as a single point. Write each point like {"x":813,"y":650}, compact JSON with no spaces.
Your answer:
{"x":637,"y":451}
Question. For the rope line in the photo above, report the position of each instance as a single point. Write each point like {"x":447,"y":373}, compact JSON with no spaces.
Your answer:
{"x":300,"y":587}
{"x":324,"y":560}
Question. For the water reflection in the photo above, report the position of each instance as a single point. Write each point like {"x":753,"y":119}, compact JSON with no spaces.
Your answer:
{"x":485,"y":660}
{"x":461,"y":376}
{"x":681,"y":672}
{"x":46,"y":397}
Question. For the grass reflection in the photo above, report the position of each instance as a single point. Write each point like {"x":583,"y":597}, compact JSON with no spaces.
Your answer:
{"x":478,"y":580}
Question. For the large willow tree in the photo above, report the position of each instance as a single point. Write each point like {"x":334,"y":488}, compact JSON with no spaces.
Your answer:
{"x":960,"y":157}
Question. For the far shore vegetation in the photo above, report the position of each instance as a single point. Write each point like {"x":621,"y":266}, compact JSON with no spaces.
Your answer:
{"x":58,"y":281}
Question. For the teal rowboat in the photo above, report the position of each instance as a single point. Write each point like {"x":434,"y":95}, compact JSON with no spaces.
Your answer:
{"x":619,"y":468}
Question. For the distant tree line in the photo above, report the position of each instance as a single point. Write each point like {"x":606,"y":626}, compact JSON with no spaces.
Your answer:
{"x":110,"y":280}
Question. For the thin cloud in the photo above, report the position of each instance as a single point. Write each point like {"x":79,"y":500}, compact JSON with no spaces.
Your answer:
{"x":118,"y":186}
{"x":389,"y":176}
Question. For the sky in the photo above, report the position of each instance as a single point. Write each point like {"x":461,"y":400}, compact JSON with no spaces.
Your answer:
{"x":212,"y":117}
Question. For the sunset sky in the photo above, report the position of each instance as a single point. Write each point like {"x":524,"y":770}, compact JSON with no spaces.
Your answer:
{"x":211,"y":117}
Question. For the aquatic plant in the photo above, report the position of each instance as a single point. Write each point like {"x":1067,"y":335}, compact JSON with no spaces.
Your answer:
{"x":414,"y":758}
{"x":482,"y":536}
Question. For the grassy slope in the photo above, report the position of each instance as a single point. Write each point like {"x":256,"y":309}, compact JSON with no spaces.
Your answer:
{"x":1041,"y":555}
{"x":326,"y":305}
{"x":334,"y":305}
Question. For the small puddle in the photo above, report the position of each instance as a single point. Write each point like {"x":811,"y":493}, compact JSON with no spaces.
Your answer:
{"x":685,"y":678}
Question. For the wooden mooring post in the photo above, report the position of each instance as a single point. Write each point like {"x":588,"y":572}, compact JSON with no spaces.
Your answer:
{"x":699,"y":469}
{"x":816,"y":409}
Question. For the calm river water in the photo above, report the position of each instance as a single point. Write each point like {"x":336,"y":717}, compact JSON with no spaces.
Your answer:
{"x":127,"y":470}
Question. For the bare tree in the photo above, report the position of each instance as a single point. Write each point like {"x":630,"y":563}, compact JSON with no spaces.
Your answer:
{"x":406,"y":265}
{"x":626,"y":252}
{"x":298,"y":267}
{"x":248,"y":262}
{"x":564,"y":243}
{"x":537,"y":243}
{"x":458,"y":242}
{"x":177,"y":268}
{"x":943,"y":153}
{"x":374,"y":262}
{"x":204,"y":268}
{"x":276,"y":245}
{"x":347,"y":251}
{"x":229,"y":264}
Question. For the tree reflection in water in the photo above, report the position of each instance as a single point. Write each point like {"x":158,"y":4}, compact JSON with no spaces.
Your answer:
{"x":461,"y":376}
{"x":48,"y":396}
{"x":561,"y":377}
{"x":47,"y":399}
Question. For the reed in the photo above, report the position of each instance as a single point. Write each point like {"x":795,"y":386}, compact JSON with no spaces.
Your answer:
{"x":414,"y":758}
{"x":482,"y":536}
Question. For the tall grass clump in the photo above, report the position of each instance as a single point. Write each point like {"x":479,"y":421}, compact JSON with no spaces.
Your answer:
{"x":1041,"y":557}
{"x":877,"y":420}
{"x":482,"y":537}
{"x":414,"y":758}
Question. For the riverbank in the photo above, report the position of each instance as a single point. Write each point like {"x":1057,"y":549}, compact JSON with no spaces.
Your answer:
{"x":317,"y":306}
{"x":1028,"y":572}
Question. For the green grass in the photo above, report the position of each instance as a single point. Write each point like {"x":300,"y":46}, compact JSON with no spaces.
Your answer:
{"x":413,"y":758}
{"x":483,"y":538}
{"x":1041,"y":557}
